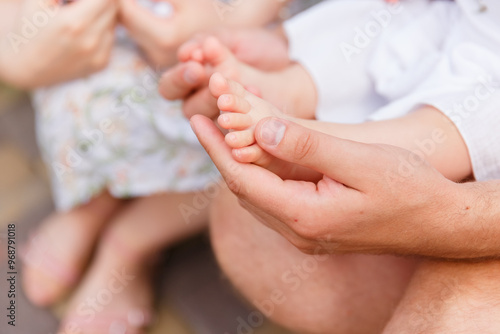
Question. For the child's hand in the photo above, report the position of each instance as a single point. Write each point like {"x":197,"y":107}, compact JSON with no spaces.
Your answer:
{"x":49,"y":44}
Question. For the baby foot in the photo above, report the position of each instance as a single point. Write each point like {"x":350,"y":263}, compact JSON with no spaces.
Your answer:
{"x":291,"y":89}
{"x":260,"y":48}
{"x":216,"y":57}
{"x":210,"y":53}
{"x":115,"y":296}
{"x":241,"y":111}
{"x":49,"y":270}
{"x":188,"y":80}
{"x":57,"y":254}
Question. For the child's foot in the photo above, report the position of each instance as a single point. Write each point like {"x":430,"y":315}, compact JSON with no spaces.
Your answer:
{"x":188,"y":80}
{"x":56,"y":256}
{"x":260,"y":48}
{"x":241,"y":111}
{"x":276,"y":87}
{"x":291,"y":89}
{"x":216,"y":57}
{"x":115,"y":296}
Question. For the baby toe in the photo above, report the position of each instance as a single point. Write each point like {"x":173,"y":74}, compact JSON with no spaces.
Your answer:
{"x":249,"y":154}
{"x":233,"y":103}
{"x":232,"y":121}
{"x":240,"y":139}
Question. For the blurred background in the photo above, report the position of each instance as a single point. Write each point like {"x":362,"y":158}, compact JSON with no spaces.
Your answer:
{"x":194,"y":297}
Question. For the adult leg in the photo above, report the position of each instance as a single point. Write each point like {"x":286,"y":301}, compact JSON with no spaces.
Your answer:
{"x":306,"y":293}
{"x":450,"y":297}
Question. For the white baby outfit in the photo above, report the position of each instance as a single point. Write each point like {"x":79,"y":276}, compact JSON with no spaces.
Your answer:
{"x":373,"y":61}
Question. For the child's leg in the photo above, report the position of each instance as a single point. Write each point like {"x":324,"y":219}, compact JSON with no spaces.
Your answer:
{"x":427,"y":132}
{"x":58,"y":253}
{"x":124,"y":261}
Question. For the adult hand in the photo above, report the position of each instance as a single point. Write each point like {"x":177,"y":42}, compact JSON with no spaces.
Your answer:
{"x":368,"y":201}
{"x":49,"y":44}
{"x":160,"y":37}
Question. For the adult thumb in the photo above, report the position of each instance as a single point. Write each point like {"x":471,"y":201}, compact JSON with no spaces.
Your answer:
{"x":342,"y":160}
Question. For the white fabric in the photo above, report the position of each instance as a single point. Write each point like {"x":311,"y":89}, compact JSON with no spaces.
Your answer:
{"x":440,"y":53}
{"x":113,"y":130}
{"x":314,"y":38}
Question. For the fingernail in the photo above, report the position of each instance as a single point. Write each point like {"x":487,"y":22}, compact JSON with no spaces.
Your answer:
{"x":272,"y":132}
{"x":190,"y":77}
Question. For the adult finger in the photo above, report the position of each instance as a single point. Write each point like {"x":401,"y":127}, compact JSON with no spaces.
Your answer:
{"x":87,"y":10}
{"x":103,"y":54}
{"x":179,"y":81}
{"x":203,"y":103}
{"x":187,"y":50}
{"x":139,"y":20}
{"x":351,"y":163}
{"x":287,"y":201}
{"x":105,"y":22}
{"x":269,"y":220}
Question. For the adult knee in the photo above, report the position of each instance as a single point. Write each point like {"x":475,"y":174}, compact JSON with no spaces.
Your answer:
{"x":295,"y":290}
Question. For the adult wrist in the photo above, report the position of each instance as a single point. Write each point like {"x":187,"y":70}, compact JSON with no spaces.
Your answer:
{"x":475,"y":219}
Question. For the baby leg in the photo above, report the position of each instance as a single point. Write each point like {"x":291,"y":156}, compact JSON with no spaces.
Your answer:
{"x":58,"y":253}
{"x":125,"y":260}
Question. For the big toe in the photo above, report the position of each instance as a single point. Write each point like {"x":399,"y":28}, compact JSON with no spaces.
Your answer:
{"x":215,"y":53}
{"x":218,"y":85}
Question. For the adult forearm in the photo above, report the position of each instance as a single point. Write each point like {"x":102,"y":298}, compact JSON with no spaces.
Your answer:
{"x":468,"y":226}
{"x":448,"y":220}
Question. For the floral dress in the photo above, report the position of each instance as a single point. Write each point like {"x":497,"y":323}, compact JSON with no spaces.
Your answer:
{"x":113,"y":131}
